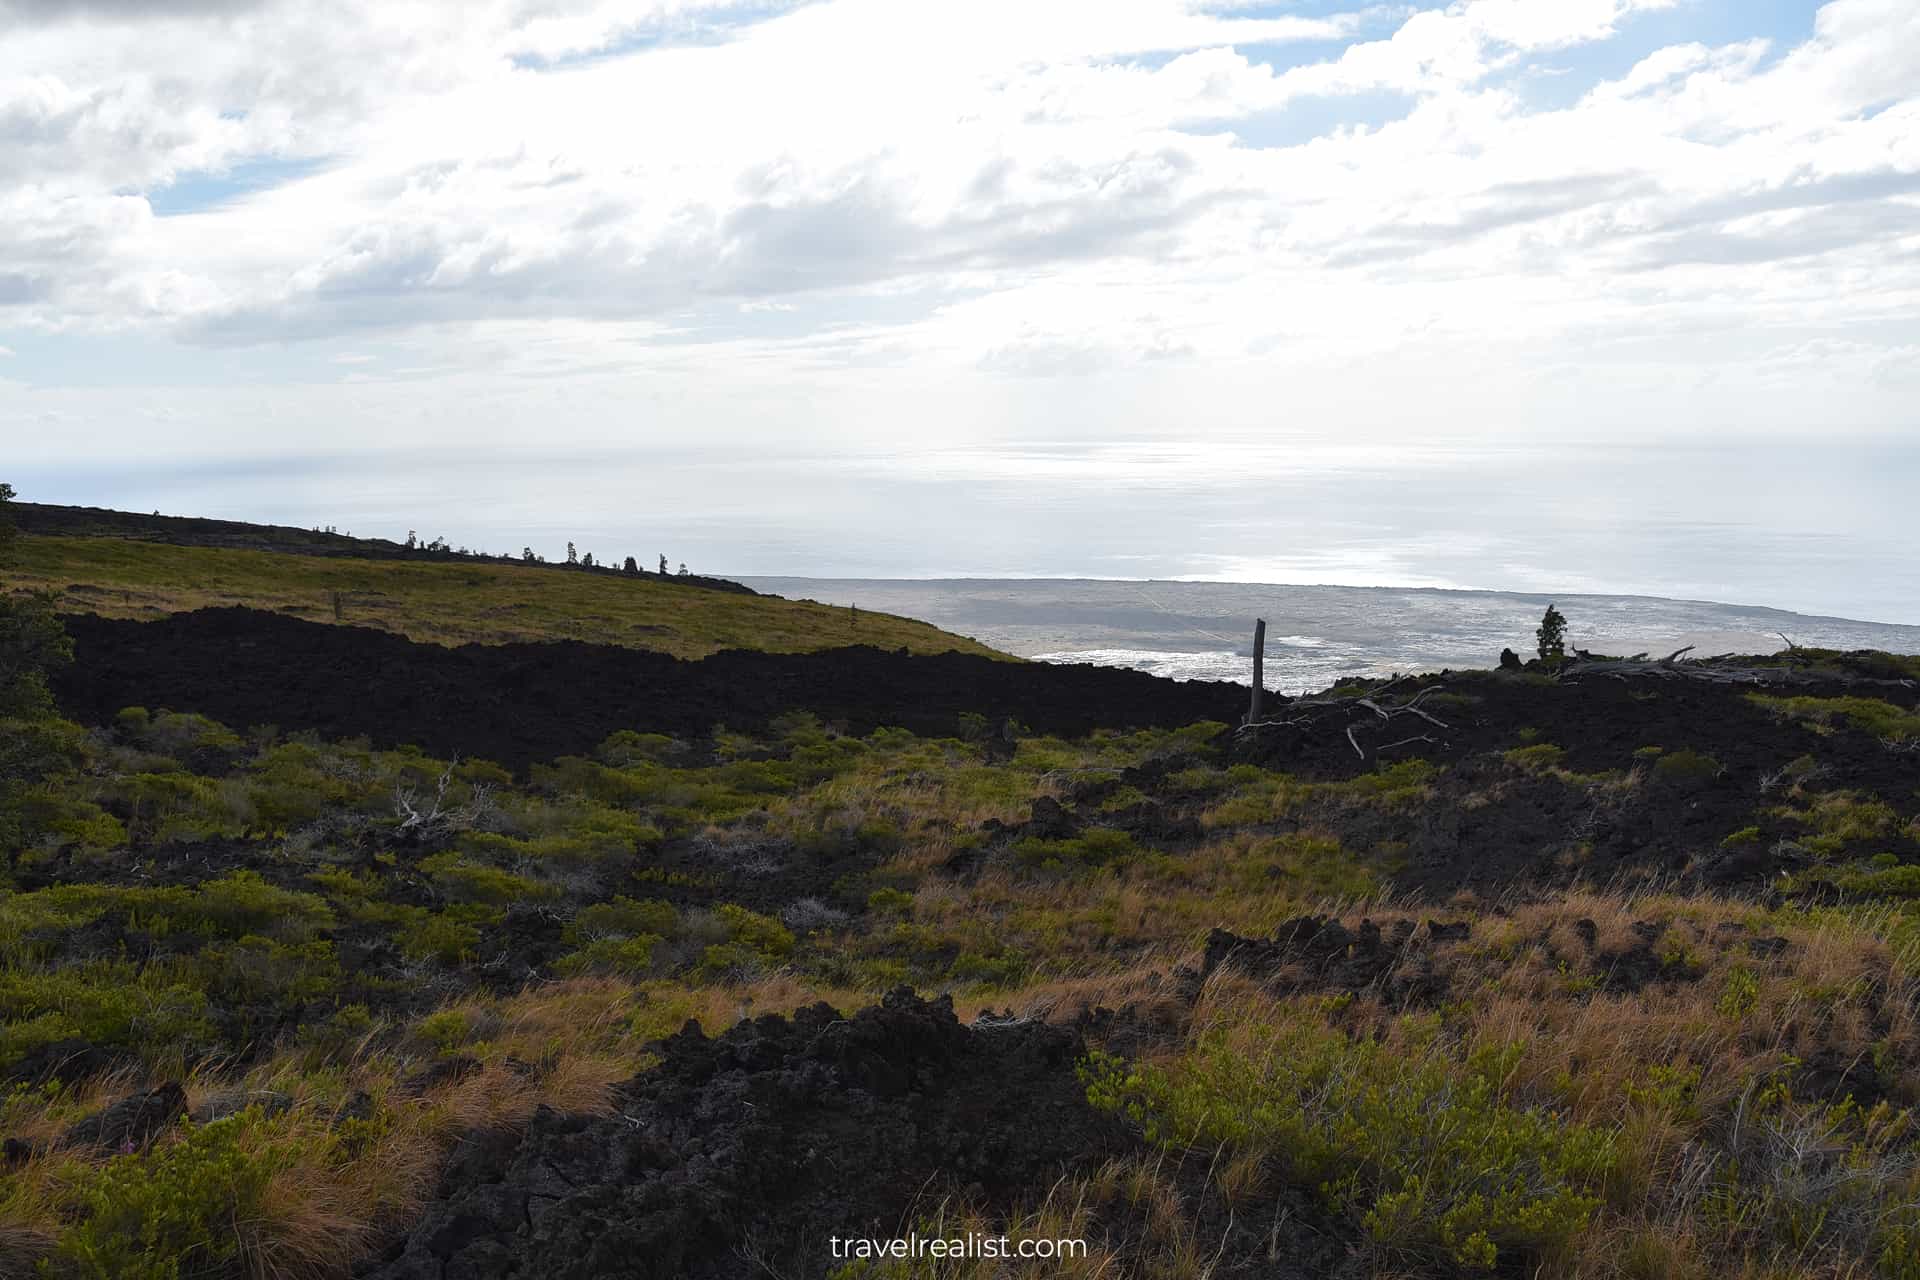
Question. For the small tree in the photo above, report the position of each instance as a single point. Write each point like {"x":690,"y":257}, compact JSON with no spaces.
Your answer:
{"x":663,"y":566}
{"x":632,"y":566}
{"x":7,"y":531}
{"x":586,"y":561}
{"x":526,"y":554}
{"x":1552,"y":635}
{"x":573,"y":557}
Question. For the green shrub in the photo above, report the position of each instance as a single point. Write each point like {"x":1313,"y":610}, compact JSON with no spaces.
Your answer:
{"x":581,"y":837}
{"x":1541,"y":757}
{"x":1097,"y":847}
{"x":106,"y":1001}
{"x":617,"y":937}
{"x":631,"y":956}
{"x":1840,"y":816}
{"x":889,"y":902}
{"x":171,"y":806}
{"x":171,"y":1213}
{"x":623,"y":917}
{"x":445,"y":1030}
{"x":1885,"y":882}
{"x":1739,"y":993}
{"x":243,"y":903}
{"x":32,"y":642}
{"x":1872,"y":715}
{"x":468,"y":882}
{"x":1310,"y":864}
{"x":1686,"y":767}
{"x":831,"y":837}
{"x":440,"y":937}
{"x":753,"y":944}
{"x":1400,"y":785}
{"x":627,"y":748}
{"x":995,"y":969}
{"x":1428,"y":1153}
{"x":48,"y":815}
{"x":763,"y":934}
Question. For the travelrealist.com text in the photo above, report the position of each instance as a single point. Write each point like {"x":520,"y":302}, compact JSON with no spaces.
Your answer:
{"x":970,"y":1245}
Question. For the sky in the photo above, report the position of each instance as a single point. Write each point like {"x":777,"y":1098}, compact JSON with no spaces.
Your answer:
{"x":1614,"y":295}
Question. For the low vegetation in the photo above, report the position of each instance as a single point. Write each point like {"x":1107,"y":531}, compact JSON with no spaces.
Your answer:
{"x":448,"y":603}
{"x":1569,"y":1004}
{"x":348,"y":957}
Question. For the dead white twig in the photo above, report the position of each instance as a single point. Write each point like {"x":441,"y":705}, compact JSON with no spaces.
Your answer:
{"x":441,"y":814}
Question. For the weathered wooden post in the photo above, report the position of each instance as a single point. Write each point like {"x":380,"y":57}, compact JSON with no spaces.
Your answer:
{"x":1259,"y":667}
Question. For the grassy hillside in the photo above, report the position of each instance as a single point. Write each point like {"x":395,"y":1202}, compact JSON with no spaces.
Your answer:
{"x":448,"y":603}
{"x":1655,"y":1013}
{"x":1603,"y":972}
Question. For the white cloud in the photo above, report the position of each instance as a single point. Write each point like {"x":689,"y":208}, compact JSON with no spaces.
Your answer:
{"x":871,"y":198}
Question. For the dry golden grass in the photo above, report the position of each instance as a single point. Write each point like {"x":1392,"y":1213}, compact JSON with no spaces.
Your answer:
{"x":570,"y":1043}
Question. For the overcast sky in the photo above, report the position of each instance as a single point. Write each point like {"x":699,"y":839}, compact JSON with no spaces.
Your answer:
{"x":1053,"y":286}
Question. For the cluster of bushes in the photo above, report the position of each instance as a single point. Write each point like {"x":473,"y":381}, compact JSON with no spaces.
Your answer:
{"x":1427,"y":1153}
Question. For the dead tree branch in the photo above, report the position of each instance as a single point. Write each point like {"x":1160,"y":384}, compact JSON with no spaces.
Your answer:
{"x":418,"y":819}
{"x":1356,"y":717}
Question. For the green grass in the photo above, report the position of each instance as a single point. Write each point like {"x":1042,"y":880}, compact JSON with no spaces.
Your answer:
{"x":1876,"y":716}
{"x":450,"y":603}
{"x":246,"y":912}
{"x":1428,"y":1154}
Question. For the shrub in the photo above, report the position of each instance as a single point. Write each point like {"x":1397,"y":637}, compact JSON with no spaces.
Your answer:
{"x":617,"y":937}
{"x":630,"y":956}
{"x":171,"y":1212}
{"x":1686,"y":767}
{"x":890,"y":902}
{"x":627,"y":748}
{"x":1427,"y":1153}
{"x":1095,"y":848}
{"x":467,"y":882}
{"x":439,"y":937}
{"x":45,"y":814}
{"x":243,"y":903}
{"x":751,"y":929}
{"x":175,"y":733}
{"x":107,"y":1002}
{"x":1739,"y":993}
{"x":445,"y":1030}
{"x":1541,"y":757}
{"x":32,"y":643}
{"x":1880,"y":718}
{"x":851,"y":836}
{"x":623,"y":917}
{"x":1309,"y":863}
{"x":1885,"y":882}
{"x":753,"y":943}
{"x":805,"y":915}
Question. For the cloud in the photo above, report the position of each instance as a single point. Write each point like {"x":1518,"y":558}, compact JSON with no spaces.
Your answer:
{"x":1208,"y":197}
{"x":50,"y":11}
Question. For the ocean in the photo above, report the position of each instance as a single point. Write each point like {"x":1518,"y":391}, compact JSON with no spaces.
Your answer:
{"x":1316,"y":634}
